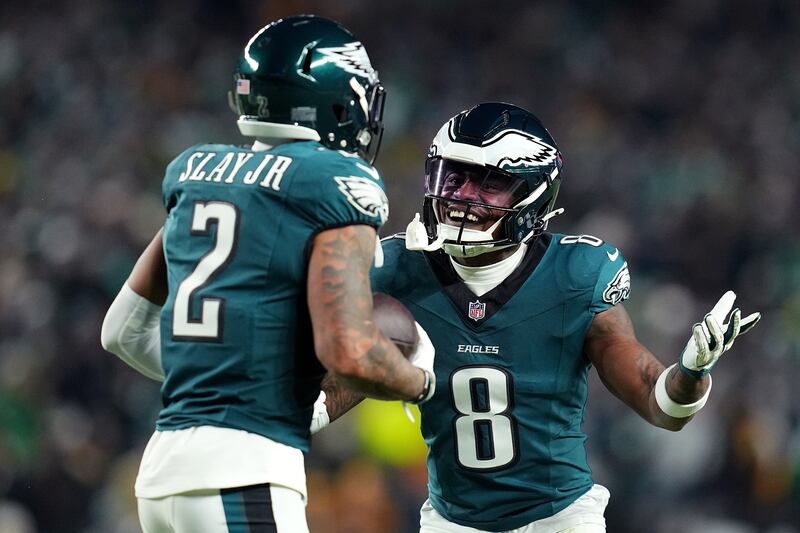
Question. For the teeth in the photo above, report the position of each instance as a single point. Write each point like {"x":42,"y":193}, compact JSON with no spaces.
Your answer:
{"x":460,"y":214}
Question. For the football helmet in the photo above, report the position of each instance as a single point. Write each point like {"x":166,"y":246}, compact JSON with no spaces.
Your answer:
{"x":308,"y":77}
{"x":491,"y":180}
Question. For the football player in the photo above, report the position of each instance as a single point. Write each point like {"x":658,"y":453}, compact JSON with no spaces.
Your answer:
{"x":518,"y":315}
{"x":259,"y":282}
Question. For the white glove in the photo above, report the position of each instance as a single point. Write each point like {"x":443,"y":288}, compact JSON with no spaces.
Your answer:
{"x":423,"y":357}
{"x":424,"y":353}
{"x":714,"y":336}
{"x":320,"y":418}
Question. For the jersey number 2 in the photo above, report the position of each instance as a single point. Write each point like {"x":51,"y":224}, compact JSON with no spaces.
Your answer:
{"x":208,"y":326}
{"x":485,"y":431}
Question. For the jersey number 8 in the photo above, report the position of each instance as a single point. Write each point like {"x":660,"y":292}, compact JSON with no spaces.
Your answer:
{"x":484,"y":430}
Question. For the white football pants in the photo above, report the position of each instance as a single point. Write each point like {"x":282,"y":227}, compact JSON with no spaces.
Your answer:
{"x":255,"y":509}
{"x":584,"y":515}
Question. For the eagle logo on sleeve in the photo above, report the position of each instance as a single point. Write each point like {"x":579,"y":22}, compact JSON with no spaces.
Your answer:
{"x":619,"y":288}
{"x":365,"y":195}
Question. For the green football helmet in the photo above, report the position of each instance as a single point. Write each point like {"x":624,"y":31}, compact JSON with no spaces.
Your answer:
{"x":492,"y":177}
{"x":308,"y":77}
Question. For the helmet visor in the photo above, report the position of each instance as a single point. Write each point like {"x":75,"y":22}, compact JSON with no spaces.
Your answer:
{"x":469,"y":196}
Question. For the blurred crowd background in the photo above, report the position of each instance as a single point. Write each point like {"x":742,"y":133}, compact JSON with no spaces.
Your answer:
{"x":680,"y":126}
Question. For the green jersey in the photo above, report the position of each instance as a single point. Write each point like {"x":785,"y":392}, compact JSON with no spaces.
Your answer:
{"x":503,"y":429}
{"x":237,"y":347}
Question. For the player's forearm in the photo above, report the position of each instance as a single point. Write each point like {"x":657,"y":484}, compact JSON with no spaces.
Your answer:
{"x":683,"y":390}
{"x":379,"y":371}
{"x":686,"y":389}
{"x":632,"y":372}
{"x":131,"y":331}
{"x":346,"y":340}
{"x":680,"y":388}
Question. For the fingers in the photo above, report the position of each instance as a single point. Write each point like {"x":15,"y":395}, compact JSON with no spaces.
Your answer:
{"x":733,"y":328}
{"x":716,"y":335}
{"x":723,"y":307}
{"x":700,"y":345}
{"x":748,"y":322}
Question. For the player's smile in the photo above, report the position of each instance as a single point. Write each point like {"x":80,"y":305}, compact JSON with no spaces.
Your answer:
{"x":477,"y":218}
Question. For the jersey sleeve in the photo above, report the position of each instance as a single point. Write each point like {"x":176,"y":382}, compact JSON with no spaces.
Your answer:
{"x":613,"y":283}
{"x":382,"y":278}
{"x":336,"y":190}
{"x":169,"y":186}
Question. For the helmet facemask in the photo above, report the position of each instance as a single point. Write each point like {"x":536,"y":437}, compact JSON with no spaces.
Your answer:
{"x":468,"y":205}
{"x":369,"y":136}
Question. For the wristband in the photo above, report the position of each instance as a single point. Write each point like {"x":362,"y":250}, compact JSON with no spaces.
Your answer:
{"x":672,"y":408}
{"x":428,"y":388}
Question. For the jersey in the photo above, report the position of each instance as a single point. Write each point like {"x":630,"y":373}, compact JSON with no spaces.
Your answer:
{"x":503,"y":429}
{"x":237,"y":347}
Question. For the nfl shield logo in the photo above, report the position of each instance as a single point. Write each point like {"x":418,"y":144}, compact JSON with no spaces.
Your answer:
{"x":477,"y":310}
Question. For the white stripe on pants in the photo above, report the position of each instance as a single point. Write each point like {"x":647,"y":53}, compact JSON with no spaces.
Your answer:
{"x":203,"y":512}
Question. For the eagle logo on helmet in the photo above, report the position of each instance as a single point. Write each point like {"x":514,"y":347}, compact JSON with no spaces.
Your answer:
{"x":365,"y":195}
{"x":508,"y":148}
{"x":352,"y":58}
{"x":515,"y":148}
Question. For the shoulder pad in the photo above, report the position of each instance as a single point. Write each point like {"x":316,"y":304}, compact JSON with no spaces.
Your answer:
{"x":396,"y":236}
{"x":596,"y":266}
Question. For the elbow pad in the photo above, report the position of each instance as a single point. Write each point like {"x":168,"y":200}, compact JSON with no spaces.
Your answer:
{"x":132,"y":331}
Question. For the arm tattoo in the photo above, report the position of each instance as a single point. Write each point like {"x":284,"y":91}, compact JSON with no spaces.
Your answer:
{"x":631,"y":371}
{"x":649,"y":368}
{"x":343,"y":299}
{"x":627,"y":368}
{"x":338,"y":399}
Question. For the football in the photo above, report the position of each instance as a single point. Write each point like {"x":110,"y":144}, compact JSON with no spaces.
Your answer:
{"x":395,"y":321}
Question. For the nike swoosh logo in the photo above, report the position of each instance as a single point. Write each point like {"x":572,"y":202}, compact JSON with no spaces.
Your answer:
{"x":613,"y":257}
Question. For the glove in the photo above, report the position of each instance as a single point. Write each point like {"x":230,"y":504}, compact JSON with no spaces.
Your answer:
{"x":319,"y":418}
{"x":714,"y":336}
{"x":423,"y":357}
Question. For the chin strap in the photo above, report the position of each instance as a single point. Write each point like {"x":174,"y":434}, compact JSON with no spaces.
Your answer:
{"x":552,"y":214}
{"x":417,"y":237}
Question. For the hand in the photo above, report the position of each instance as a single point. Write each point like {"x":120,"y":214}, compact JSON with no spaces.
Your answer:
{"x":422,"y":356}
{"x":714,"y":336}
